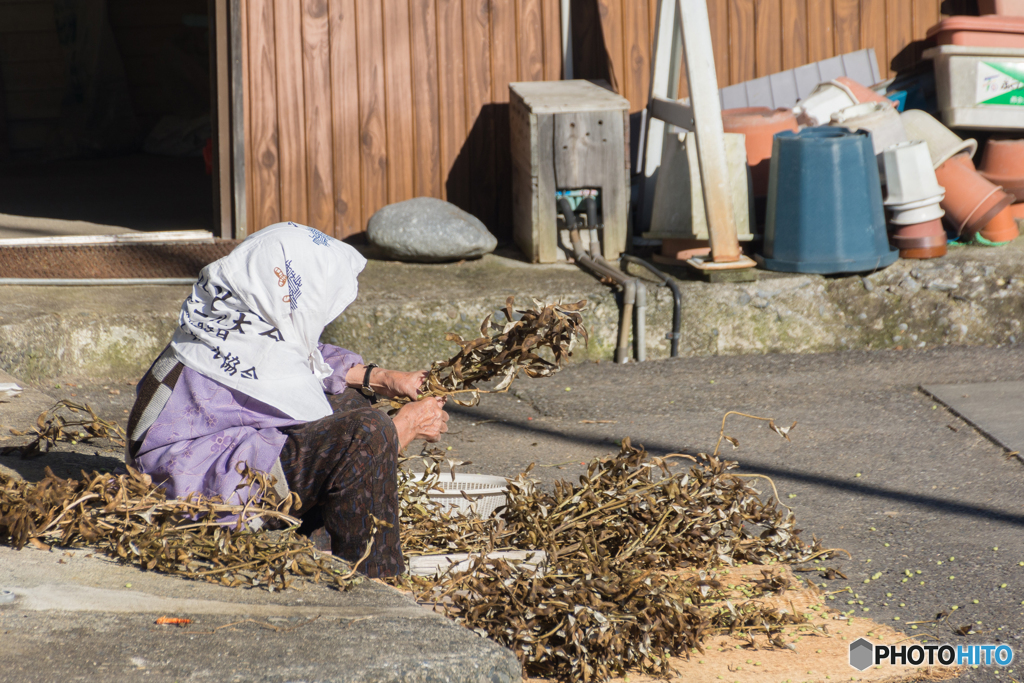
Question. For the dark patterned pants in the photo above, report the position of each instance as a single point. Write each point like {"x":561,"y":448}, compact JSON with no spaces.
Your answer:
{"x":344,"y":469}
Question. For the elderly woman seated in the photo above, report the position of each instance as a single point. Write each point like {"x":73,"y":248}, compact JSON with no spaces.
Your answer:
{"x":246,"y":381}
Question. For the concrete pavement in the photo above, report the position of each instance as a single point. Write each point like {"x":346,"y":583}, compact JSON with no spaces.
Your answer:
{"x":875,"y":466}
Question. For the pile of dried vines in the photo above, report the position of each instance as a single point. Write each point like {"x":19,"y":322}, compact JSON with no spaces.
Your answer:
{"x":65,"y":421}
{"x":127,"y":518}
{"x":506,"y":349}
{"x":611,"y":599}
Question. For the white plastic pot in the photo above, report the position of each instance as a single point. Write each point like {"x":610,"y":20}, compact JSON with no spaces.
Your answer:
{"x":881,"y":120}
{"x":943,"y":144}
{"x":817,"y":108}
{"x":914,"y":193}
{"x":923,"y":214}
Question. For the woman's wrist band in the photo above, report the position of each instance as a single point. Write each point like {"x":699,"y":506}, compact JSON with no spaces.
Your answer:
{"x":365,"y":388}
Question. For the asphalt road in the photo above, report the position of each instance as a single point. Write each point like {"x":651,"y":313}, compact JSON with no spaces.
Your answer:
{"x":874,"y":466}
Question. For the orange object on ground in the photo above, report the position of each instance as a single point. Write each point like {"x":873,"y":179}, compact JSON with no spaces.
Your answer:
{"x":920,"y":241}
{"x":675,"y":252}
{"x":174,"y":620}
{"x":1002,"y":228}
{"x":1017,"y":211}
{"x":759,"y":125}
{"x":987,"y":31}
{"x":971,"y":201}
{"x":1002,"y":163}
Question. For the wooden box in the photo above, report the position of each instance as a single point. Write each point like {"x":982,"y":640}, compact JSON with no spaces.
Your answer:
{"x":567,"y":135}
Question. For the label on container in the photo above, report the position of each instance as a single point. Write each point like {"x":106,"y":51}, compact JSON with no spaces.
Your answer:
{"x":1001,"y":83}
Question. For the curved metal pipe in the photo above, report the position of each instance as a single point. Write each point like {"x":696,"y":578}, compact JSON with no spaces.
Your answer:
{"x":640,"y":335}
{"x":605,"y":269}
{"x":590,"y":207}
{"x":634,"y":291}
{"x":628,"y":301}
{"x":677,"y":308}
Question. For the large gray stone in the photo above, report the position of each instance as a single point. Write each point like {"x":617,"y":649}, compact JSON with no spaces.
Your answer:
{"x":429,"y":230}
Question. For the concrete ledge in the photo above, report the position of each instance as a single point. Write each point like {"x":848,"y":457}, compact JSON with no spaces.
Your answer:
{"x":75,"y":613}
{"x":974,"y":296}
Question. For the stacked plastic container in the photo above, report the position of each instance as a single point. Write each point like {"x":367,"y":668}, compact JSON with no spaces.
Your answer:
{"x":979,"y":67}
{"x":979,"y":72}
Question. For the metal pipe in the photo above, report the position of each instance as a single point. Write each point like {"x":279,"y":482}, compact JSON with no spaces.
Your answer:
{"x":590,"y":206}
{"x":566,"y":13}
{"x":68,"y":282}
{"x":634,"y":294}
{"x":629,"y":290}
{"x":581,"y":255}
{"x":640,"y":335}
{"x":605,"y":269}
{"x":677,"y":299}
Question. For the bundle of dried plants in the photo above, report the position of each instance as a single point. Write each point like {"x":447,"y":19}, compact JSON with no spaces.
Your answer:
{"x":505,"y":349}
{"x":128,"y":518}
{"x":65,"y":421}
{"x":612,"y":598}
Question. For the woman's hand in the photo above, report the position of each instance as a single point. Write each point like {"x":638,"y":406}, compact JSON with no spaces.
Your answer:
{"x":395,"y":384}
{"x":390,"y":383}
{"x":423,"y":420}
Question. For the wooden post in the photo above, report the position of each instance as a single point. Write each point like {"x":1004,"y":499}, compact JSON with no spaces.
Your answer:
{"x":220,"y":104}
{"x":566,"y":14}
{"x":668,"y":45}
{"x":236,"y":71}
{"x":707,"y":116}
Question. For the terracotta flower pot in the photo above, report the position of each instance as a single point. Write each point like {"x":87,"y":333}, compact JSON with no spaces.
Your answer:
{"x":862,"y":93}
{"x":759,"y":125}
{"x":921,"y":241}
{"x":1006,"y":8}
{"x":1017,"y":211}
{"x":988,"y":31}
{"x":1002,"y":228}
{"x":971,"y":201}
{"x":965,"y":161}
{"x":1002,"y":164}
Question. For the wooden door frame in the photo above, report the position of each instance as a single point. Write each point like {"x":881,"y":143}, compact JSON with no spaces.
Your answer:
{"x":227,"y":114}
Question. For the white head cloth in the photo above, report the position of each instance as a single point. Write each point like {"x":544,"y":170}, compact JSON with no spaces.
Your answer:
{"x":255,"y":317}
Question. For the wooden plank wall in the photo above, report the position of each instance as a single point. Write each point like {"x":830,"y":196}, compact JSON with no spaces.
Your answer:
{"x":755,"y":38}
{"x":354,"y":104}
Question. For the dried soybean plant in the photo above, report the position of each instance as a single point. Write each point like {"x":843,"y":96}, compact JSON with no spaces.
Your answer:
{"x":426,"y":527}
{"x":128,"y":518}
{"x":505,"y":349}
{"x":611,"y":598}
{"x":65,"y":421}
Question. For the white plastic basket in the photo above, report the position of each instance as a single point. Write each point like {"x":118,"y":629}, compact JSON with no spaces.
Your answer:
{"x":487,"y":492}
{"x":534,"y":561}
{"x":968,"y":82}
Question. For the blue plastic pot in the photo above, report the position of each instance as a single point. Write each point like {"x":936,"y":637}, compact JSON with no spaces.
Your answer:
{"x":825,"y":212}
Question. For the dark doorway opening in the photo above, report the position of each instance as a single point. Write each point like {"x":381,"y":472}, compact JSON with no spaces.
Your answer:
{"x":104,"y":117}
